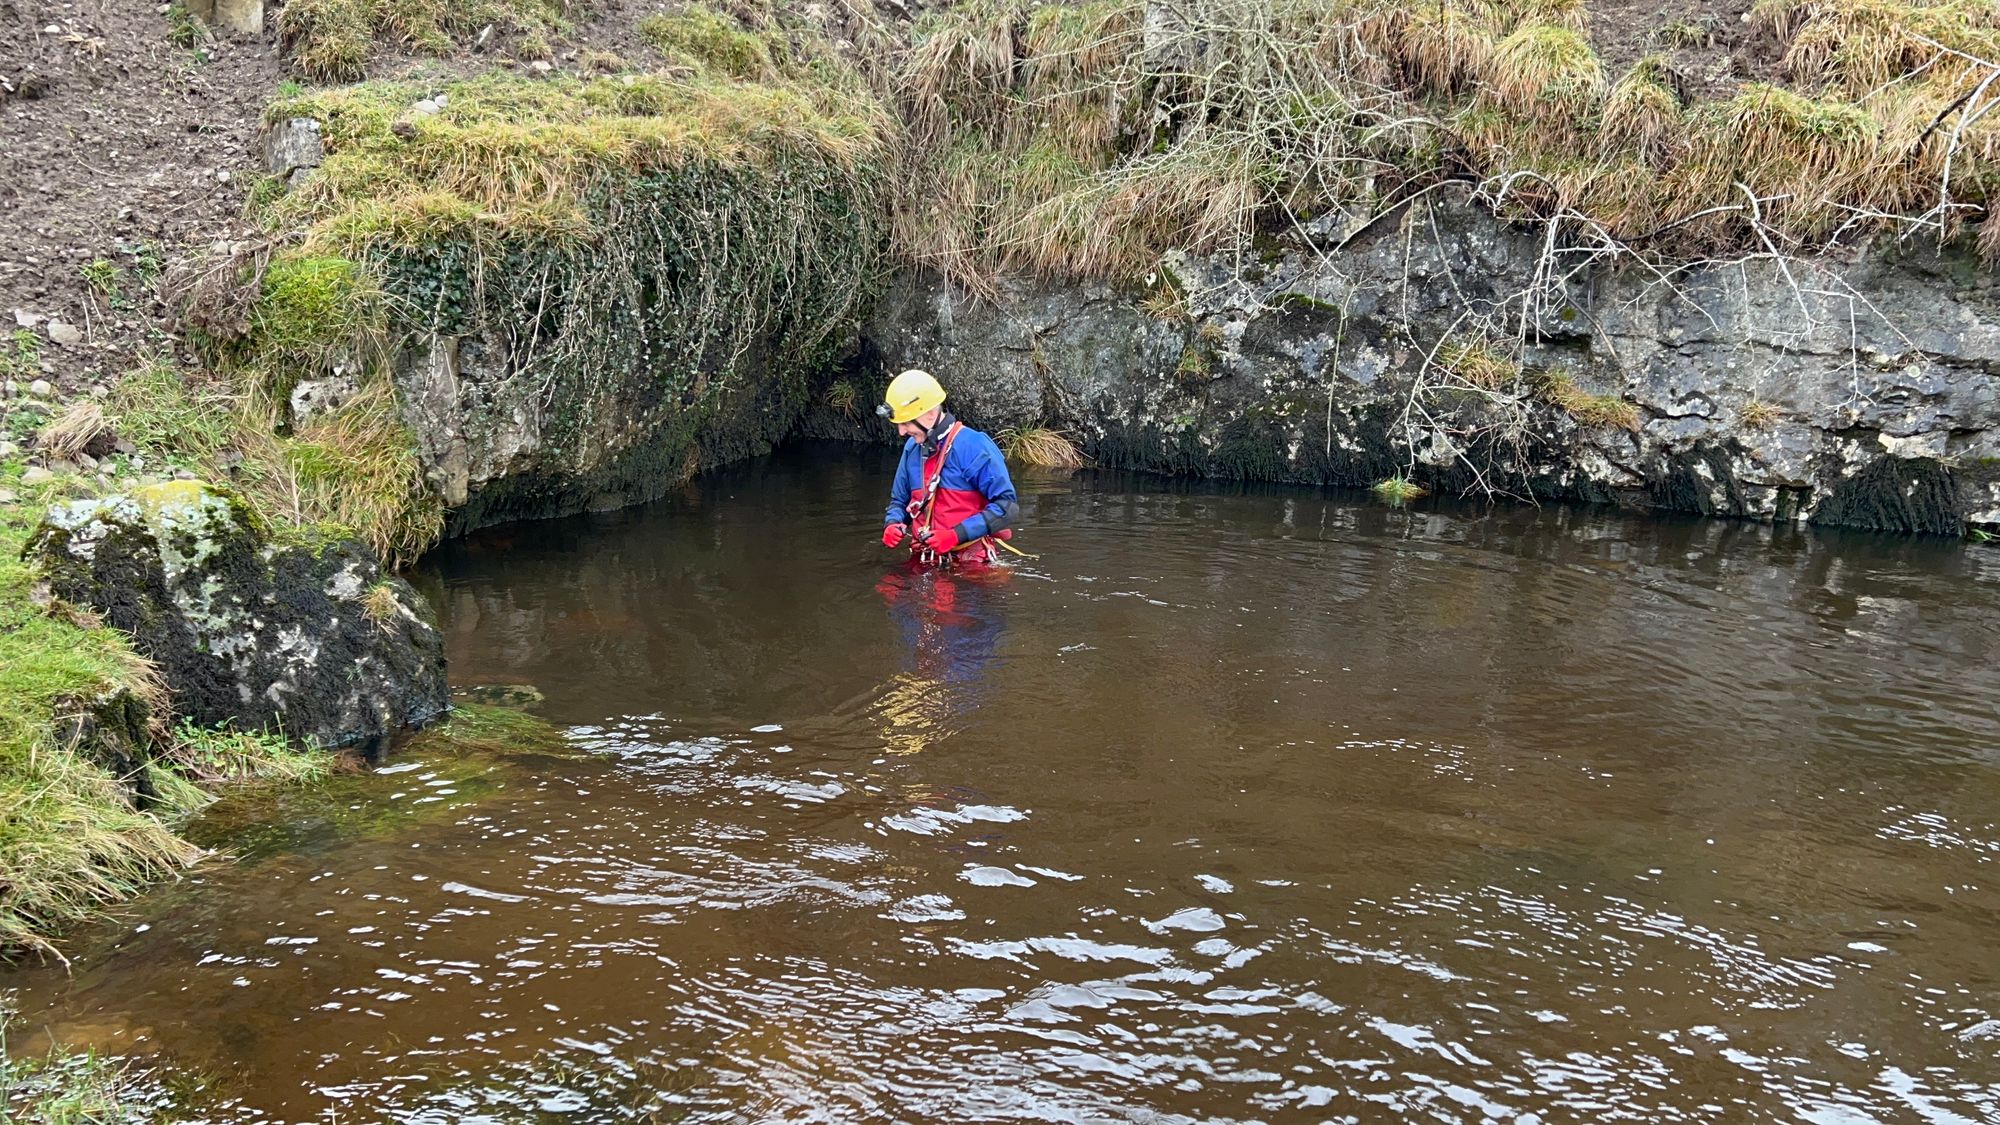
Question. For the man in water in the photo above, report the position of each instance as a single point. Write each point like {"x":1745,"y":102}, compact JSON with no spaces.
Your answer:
{"x":952,"y":498}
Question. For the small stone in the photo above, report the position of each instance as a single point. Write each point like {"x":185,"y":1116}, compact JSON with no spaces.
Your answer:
{"x":86,"y":462}
{"x":222,"y":175}
{"x":52,"y":29}
{"x":99,"y":391}
{"x":7,"y":496}
{"x":41,"y":388}
{"x":183,"y":474}
{"x":9,"y":451}
{"x":37,"y":475}
{"x":541,"y":66}
{"x":25,"y":319}
{"x":440,"y":100}
{"x":68,"y":335}
{"x":424,"y":107}
{"x":127,"y":449}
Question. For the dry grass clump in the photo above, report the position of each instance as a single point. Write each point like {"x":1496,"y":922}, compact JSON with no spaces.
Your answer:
{"x":1757,"y":414}
{"x":76,"y":429}
{"x":1479,"y":363}
{"x":1642,"y":114}
{"x":1546,"y":73}
{"x":1042,"y":447}
{"x":1561,"y":391}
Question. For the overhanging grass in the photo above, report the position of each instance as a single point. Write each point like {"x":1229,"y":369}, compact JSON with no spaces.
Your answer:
{"x":648,"y":227}
{"x":1229,"y":117}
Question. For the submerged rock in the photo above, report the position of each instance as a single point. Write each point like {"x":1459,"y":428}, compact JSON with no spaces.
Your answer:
{"x":311,"y":639}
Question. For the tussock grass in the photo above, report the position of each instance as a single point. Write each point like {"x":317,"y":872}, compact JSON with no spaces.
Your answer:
{"x":703,"y":39}
{"x":1042,"y":447}
{"x":1056,"y":140}
{"x":352,"y":471}
{"x":1561,"y":391}
{"x":1642,"y":113}
{"x":180,"y":415}
{"x":381,"y":606}
{"x":331,"y":40}
{"x":1757,"y":414}
{"x":1545,"y":73}
{"x":1399,"y":490}
{"x":1478,"y":362}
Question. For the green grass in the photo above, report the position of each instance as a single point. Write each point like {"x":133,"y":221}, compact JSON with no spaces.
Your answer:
{"x":1399,"y":489}
{"x":71,"y":841}
{"x":215,"y":755}
{"x":701,"y":38}
{"x":477,"y":728}
{"x":180,"y":416}
{"x":332,"y":40}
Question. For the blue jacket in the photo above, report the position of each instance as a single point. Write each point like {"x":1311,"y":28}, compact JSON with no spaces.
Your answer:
{"x":974,"y":490}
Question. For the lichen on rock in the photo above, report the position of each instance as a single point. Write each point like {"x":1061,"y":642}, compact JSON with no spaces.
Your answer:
{"x":310,"y":639}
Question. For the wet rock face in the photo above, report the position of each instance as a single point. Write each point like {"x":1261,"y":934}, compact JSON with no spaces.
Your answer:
{"x":1863,"y":393}
{"x":311,"y":640}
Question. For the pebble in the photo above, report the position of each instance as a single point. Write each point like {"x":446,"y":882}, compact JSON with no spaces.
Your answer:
{"x":222,"y":174}
{"x":541,"y":66}
{"x":25,"y":319}
{"x":9,"y":449}
{"x":7,"y":496}
{"x":41,"y":388}
{"x":183,"y":474}
{"x":37,"y":475}
{"x":65,"y":334}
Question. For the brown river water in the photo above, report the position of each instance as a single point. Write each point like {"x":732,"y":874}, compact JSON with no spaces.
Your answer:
{"x":1234,"y":805}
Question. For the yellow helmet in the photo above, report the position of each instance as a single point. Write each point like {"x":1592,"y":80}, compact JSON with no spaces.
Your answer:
{"x":909,"y":396}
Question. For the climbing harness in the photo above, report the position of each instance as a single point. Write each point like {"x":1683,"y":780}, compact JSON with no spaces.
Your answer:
{"x":921,"y":505}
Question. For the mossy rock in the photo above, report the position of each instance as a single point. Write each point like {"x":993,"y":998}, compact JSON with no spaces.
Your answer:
{"x":311,"y":640}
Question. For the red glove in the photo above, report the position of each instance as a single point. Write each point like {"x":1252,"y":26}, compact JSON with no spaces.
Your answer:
{"x":892,"y":535}
{"x":941,"y":541}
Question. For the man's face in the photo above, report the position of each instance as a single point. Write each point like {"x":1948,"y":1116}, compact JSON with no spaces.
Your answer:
{"x":921,"y":425}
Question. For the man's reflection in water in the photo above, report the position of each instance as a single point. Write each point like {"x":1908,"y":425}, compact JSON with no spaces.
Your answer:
{"x":950,"y":625}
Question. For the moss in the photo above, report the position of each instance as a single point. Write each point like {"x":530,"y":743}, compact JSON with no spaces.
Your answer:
{"x":314,"y":313}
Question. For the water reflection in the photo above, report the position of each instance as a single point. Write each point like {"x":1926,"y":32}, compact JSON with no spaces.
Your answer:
{"x":1238,"y":805}
{"x":949,"y":626}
